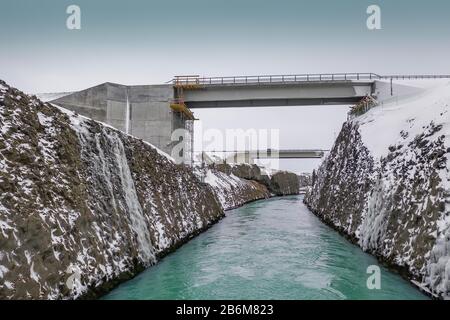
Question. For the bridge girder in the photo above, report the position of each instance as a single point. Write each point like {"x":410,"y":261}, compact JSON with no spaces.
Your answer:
{"x":269,"y":95}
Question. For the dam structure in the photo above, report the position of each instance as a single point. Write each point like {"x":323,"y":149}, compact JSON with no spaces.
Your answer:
{"x":142,"y":111}
{"x":153,"y":112}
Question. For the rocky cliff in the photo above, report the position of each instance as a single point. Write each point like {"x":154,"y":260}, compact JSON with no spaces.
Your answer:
{"x":279,"y":183}
{"x":84,"y":206}
{"x":304,"y":180}
{"x":385,"y":184}
{"x":231,"y":190}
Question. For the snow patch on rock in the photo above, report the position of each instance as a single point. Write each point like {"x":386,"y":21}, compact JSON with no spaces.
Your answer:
{"x":231,"y":190}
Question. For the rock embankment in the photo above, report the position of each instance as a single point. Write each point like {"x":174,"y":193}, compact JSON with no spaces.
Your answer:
{"x":389,"y":192}
{"x":305,"y":181}
{"x":84,"y":206}
{"x":231,"y":190}
{"x":279,"y":183}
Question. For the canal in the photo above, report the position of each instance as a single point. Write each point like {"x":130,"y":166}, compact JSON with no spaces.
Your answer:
{"x":271,"y":249}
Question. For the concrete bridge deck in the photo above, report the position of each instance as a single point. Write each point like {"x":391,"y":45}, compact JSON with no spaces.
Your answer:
{"x":252,"y":155}
{"x":289,"y":90}
{"x":274,"y":90}
{"x":249,"y":156}
{"x":282,"y":154}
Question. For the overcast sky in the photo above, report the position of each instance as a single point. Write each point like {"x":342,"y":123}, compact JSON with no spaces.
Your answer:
{"x":145,"y":41}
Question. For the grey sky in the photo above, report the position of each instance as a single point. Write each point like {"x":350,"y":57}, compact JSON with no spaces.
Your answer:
{"x":141,"y":41}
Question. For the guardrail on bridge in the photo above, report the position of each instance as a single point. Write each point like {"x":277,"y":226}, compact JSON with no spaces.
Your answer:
{"x":196,"y":80}
{"x":275,"y":79}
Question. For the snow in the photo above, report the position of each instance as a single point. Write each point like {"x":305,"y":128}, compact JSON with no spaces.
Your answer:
{"x":380,"y":127}
{"x":231,"y":190}
{"x":4,"y":226}
{"x":5,"y":127}
{"x":138,"y":223}
{"x":163,"y":240}
{"x":33,"y":274}
{"x":46,"y":97}
{"x":160,"y":152}
{"x":268,"y":171}
{"x":3,"y":270}
{"x":212,"y":179}
{"x":44,"y":120}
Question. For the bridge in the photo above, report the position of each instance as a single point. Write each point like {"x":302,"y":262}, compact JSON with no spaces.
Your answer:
{"x":249,"y":156}
{"x":252,"y":155}
{"x":287,"y":90}
{"x":153,"y":112}
{"x":273,"y":90}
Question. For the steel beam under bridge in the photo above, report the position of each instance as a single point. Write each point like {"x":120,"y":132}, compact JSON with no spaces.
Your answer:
{"x":265,"y":91}
{"x":251,"y":155}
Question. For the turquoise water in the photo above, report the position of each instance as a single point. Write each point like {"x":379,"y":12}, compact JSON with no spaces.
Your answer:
{"x":272,"y":249}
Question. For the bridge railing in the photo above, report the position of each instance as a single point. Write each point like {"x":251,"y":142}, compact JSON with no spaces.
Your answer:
{"x":196,"y":80}
{"x":415,"y":77}
{"x":276,"y":79}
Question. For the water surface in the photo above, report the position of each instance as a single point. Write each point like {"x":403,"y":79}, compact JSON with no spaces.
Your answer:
{"x":271,"y":249}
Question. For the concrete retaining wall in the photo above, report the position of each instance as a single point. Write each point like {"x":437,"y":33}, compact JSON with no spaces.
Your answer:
{"x":150,"y":117}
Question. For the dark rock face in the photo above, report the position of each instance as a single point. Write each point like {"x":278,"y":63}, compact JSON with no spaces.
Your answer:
{"x":246,"y":171}
{"x":393,"y":207}
{"x":222,"y":167}
{"x":281,"y":183}
{"x":284,"y":183}
{"x":84,"y":206}
{"x":304,"y":181}
{"x":340,"y":186}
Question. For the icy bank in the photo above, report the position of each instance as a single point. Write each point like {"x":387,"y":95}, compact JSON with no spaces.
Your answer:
{"x":231,"y":190}
{"x":278,"y":183}
{"x":386,"y":185}
{"x":84,"y":206}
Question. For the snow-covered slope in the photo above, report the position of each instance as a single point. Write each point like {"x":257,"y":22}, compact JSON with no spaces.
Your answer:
{"x":386,"y":185}
{"x":232,"y":191}
{"x":84,"y":206}
{"x":237,"y":184}
{"x":382,"y":126}
{"x":46,"y":97}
